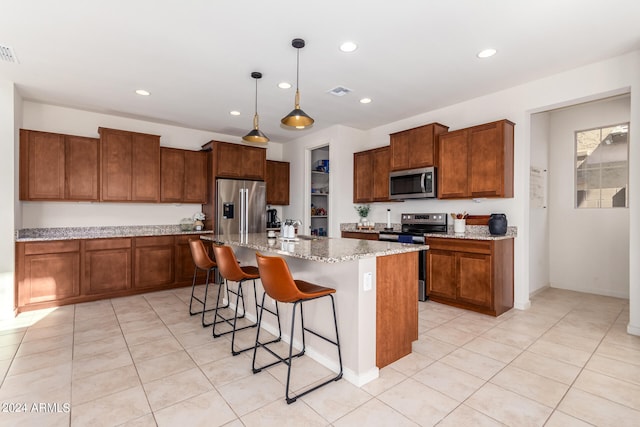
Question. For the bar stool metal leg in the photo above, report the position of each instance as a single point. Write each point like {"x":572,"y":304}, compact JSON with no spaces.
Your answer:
{"x":288,"y":360}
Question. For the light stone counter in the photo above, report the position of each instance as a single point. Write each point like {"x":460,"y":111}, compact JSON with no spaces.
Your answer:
{"x":314,"y":248}
{"x":72,"y":233}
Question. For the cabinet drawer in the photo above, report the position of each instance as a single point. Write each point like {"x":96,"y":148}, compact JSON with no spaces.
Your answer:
{"x":101,"y":244}
{"x":154,"y":241}
{"x":460,"y":245}
{"x":361,"y":236}
{"x":36,"y":248}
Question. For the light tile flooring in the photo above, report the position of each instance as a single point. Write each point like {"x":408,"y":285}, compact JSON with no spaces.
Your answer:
{"x":143,"y":361}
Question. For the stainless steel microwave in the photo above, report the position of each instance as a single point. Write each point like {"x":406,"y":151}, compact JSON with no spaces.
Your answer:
{"x":413,"y":184}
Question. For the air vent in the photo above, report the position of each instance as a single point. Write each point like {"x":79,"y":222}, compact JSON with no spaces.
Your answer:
{"x":7,"y":54}
{"x":339,"y":91}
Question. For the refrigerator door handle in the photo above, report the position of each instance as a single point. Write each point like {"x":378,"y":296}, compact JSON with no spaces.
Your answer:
{"x":246,"y":210}
{"x":241,"y":211}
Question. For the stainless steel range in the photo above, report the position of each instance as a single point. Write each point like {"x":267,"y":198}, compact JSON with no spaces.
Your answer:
{"x":414,"y":227}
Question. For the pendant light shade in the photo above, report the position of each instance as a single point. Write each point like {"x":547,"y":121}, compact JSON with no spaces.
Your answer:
{"x":255,"y":135}
{"x":297,"y":118}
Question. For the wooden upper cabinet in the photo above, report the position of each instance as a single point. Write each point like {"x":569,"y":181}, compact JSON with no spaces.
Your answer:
{"x":41,"y":165}
{"x":453,"y":165}
{"x":381,"y":169}
{"x":491,"y":160}
{"x":195,"y":177}
{"x":477,"y":162}
{"x":183,"y":176}
{"x":363,"y":177}
{"x":130,"y":166}
{"x":82,"y":158}
{"x":239,"y":161}
{"x":416,"y":148}
{"x":58,"y":167}
{"x":371,"y":175}
{"x":171,"y":175}
{"x":145,"y":168}
{"x":277,"y":181}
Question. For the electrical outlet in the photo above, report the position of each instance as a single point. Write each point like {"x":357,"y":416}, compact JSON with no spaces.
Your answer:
{"x":368,"y":281}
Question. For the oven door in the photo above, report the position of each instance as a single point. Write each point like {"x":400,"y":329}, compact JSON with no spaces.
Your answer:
{"x":412,"y":184}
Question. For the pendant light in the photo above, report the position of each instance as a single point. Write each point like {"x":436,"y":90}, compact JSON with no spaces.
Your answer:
{"x":255,"y":135}
{"x":297,"y":118}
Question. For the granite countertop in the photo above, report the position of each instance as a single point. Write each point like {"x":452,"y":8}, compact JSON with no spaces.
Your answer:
{"x":315,"y":248}
{"x":71,"y":233}
{"x":473,"y":232}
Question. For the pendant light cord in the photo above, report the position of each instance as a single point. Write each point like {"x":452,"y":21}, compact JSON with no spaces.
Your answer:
{"x":298,"y":69}
{"x":256,"y":109}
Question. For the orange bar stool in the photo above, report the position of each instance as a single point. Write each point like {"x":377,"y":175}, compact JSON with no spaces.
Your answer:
{"x":231,"y":271}
{"x":280,"y":285}
{"x":203,"y":262}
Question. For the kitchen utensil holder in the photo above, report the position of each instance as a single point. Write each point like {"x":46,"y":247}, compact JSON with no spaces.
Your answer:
{"x":459,"y":226}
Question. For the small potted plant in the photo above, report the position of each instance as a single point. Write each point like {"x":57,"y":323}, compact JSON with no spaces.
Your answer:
{"x":363,"y":212}
{"x":198,"y":219}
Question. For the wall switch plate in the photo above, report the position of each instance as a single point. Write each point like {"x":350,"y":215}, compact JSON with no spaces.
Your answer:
{"x":368,"y":281}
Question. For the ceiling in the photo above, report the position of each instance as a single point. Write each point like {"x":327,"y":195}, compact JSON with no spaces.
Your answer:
{"x":196,"y":56}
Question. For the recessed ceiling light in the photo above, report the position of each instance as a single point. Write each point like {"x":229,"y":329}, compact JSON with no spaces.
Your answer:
{"x":486,"y":53}
{"x":284,"y":85}
{"x":234,"y":113}
{"x":143,"y":92}
{"x":348,"y":46}
{"x":365,"y":100}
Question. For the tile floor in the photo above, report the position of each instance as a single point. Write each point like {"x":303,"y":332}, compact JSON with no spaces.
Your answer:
{"x":143,"y":361}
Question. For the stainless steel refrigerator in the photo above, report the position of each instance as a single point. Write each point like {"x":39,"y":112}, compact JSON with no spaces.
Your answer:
{"x":241,"y":207}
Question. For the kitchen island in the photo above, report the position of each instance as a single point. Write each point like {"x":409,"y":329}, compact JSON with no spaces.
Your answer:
{"x":376,"y":296}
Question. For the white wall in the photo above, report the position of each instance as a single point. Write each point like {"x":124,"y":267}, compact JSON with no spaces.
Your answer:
{"x":589,"y":248}
{"x":539,"y":216}
{"x":8,"y":118}
{"x":590,"y":82}
{"x":341,"y":141}
{"x":50,"y":118}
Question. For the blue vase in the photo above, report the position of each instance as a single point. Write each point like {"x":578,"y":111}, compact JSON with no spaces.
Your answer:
{"x":498,"y":224}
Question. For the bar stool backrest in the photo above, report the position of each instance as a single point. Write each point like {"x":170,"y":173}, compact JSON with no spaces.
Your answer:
{"x":199,"y":255}
{"x":228,"y":263}
{"x":277,"y":280}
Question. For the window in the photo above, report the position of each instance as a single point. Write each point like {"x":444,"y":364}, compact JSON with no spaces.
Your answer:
{"x":602,"y":167}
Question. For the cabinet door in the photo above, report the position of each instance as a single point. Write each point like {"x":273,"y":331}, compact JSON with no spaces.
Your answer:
{"x":363,"y":177}
{"x":154,"y":261}
{"x":106,"y":266}
{"x":441,"y":273}
{"x":400,"y":151}
{"x":184,"y":262}
{"x":195,"y":177}
{"x":41,"y":166}
{"x":380,"y":172}
{"x":474,"y":279}
{"x":172,"y":175}
{"x":230,"y":163}
{"x":491,"y":160}
{"x":81,"y":165}
{"x":453,"y":165}
{"x":145,"y":168}
{"x":116,"y":156}
{"x":421,"y":147}
{"x":254,"y":162}
{"x":277,"y":181}
{"x":51,"y":272}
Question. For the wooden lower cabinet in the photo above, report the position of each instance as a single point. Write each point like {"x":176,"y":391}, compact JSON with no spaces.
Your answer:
{"x":154,"y":261}
{"x":184,"y":261}
{"x":60,"y":272}
{"x":47,"y":271}
{"x":472,"y":274}
{"x":107,"y":266}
